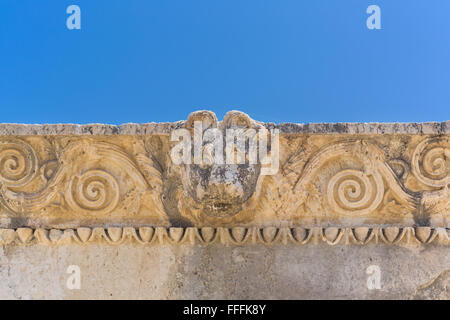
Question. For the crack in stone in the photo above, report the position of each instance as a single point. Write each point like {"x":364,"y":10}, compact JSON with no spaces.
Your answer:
{"x":436,"y":288}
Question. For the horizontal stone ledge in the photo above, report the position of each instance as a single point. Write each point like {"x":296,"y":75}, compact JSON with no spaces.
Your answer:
{"x":427,"y":128}
{"x":227,"y":236}
{"x":228,"y":173}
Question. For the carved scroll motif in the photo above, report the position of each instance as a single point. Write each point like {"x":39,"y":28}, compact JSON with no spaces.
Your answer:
{"x":18,"y":163}
{"x":94,"y":191}
{"x":89,"y":178}
{"x":431,"y":166}
{"x":431,"y":162}
{"x":322,"y":179}
{"x":353,"y":190}
{"x":358,"y":185}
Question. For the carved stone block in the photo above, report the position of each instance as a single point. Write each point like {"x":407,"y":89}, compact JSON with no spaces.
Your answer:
{"x":231,"y":209}
{"x":326,"y":175}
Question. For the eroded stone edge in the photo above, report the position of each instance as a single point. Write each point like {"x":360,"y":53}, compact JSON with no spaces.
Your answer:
{"x":165,"y":128}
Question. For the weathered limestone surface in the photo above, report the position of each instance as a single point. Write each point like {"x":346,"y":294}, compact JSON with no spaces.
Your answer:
{"x":338,"y":198}
{"x":224,"y":272}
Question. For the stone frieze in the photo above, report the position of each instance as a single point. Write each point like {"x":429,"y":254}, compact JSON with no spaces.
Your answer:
{"x":323,"y":176}
{"x":407,"y":236}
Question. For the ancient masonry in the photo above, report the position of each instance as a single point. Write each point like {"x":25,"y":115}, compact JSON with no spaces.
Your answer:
{"x":338,"y":184}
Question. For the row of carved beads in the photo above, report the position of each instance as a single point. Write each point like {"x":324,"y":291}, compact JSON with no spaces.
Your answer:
{"x":228,"y":236}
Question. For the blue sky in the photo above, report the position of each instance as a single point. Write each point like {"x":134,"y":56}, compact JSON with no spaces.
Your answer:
{"x":277,"y":60}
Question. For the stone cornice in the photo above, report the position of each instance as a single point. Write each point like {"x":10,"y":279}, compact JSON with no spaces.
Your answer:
{"x":310,"y":176}
{"x":428,"y":128}
{"x":228,"y":236}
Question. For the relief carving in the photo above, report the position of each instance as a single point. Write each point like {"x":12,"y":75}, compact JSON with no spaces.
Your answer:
{"x":88,"y":179}
{"x":318,"y":180}
{"x":407,"y":236}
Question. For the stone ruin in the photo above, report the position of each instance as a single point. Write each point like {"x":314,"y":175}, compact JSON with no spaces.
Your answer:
{"x":342,"y":199}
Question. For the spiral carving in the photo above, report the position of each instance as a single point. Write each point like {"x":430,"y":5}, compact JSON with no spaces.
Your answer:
{"x":431,"y":163}
{"x":352,"y":191}
{"x":95,"y":191}
{"x":18,"y":163}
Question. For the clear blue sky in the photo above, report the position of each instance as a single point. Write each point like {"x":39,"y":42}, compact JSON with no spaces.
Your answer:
{"x":278,"y":60}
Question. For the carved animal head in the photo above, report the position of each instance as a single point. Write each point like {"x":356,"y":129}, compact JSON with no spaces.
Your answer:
{"x":213,"y":184}
{"x":221,"y":189}
{"x":219,"y":186}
